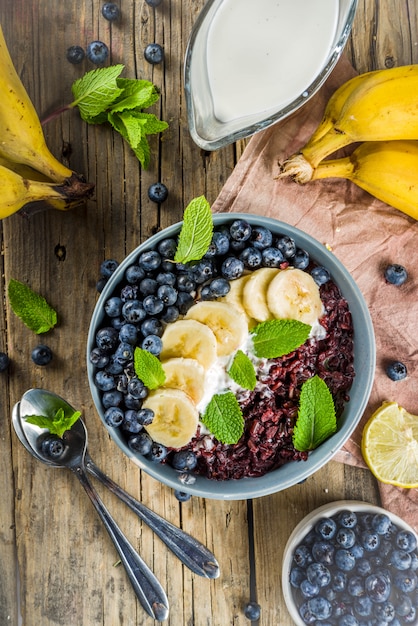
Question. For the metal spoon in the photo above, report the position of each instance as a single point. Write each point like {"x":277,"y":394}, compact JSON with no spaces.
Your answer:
{"x":147,"y":588}
{"x":191,"y":552}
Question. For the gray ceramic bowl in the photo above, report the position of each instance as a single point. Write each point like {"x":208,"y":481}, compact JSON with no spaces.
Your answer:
{"x":293,"y":472}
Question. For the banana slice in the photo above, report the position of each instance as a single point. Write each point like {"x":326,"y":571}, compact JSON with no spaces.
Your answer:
{"x":175,"y":417}
{"x":293,"y":294}
{"x":255,"y":293}
{"x":227,"y":323}
{"x":234,"y":297}
{"x":189,"y":339}
{"x":187,"y":375}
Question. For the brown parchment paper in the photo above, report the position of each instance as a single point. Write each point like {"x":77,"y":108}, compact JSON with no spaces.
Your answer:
{"x":364,"y":233}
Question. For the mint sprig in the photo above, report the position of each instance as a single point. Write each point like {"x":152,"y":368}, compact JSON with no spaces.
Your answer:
{"x":196,"y":231}
{"x":102,"y":96}
{"x":242,"y":371}
{"x":148,"y":368}
{"x":31,"y":308}
{"x":278,"y":337}
{"x":316,"y":419}
{"x":57,"y":424}
{"x":223,"y":417}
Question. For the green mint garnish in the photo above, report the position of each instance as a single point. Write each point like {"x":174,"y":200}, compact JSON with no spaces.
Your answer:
{"x":101,"y":96}
{"x":278,"y":337}
{"x":196,"y":232}
{"x":224,"y":418}
{"x":242,"y":371}
{"x":148,"y":368}
{"x":316,"y":419}
{"x":57,"y":424}
{"x":31,"y":308}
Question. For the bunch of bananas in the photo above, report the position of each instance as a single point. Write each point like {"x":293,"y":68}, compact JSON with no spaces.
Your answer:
{"x":29,"y":173}
{"x":378,"y":108}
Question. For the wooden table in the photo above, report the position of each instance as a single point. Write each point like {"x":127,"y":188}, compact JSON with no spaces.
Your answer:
{"x":58,"y":566}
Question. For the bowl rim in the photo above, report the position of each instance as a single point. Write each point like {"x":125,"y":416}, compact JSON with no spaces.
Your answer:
{"x":272,"y":482}
{"x":307,"y":523}
{"x":279,"y":115}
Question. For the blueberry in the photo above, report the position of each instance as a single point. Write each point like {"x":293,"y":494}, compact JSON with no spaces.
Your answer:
{"x":4,"y":361}
{"x":296,"y":576}
{"x":167,"y":248}
{"x":344,"y":560}
{"x":104,"y":381}
{"x":406,"y":540}
{"x":113,"y":416}
{"x":202,"y":271}
{"x":320,"y":275}
{"x":403,"y":605}
{"x":107,"y":268}
{"x":157,"y":453}
{"x":111,"y":398}
{"x":167,"y":295}
{"x":339,"y":581}
{"x":113,"y":306}
{"x":184,"y":460}
{"x":141,"y":443}
{"x":185,"y":283}
{"x":153,"y":3}
{"x":133,"y":311}
{"x":115,"y":366}
{"x":98,"y":358}
{"x":252,"y":611}
{"x":75,"y":54}
{"x":396,"y":370}
{"x":319,"y":574}
{"x":272,"y":257}
{"x":132,"y":403}
{"x":286,"y":245}
{"x":149,"y":260}
{"x":166,"y":278}
{"x":323,"y":552}
{"x":151,"y":326}
{"x":355,"y":586}
{"x":406,"y":581}
{"x":124,"y":352}
{"x":345,"y":537}
{"x":326,"y":528}
{"x":348,"y":620}
{"x":41,"y":355}
{"x":240,"y":230}
{"x":100,"y":285}
{"x":363,"y":567}
{"x":261,"y":237}
{"x":320,"y":608}
{"x":251,"y":257}
{"x":348,"y":519}
{"x":136,"y":388}
{"x":152,"y":344}
{"x":384,"y":611}
{"x":129,"y":292}
{"x":370,"y":540}
{"x":53,"y":446}
{"x":302,"y":555}
{"x":378,"y":587}
{"x":153,"y":305}
{"x":306,"y":614}
{"x":232,"y":268}
{"x":219,"y":287}
{"x":97,"y":52}
{"x":111,"y":11}
{"x":411,"y":617}
{"x":134,"y":274}
{"x":182,"y":496}
{"x":184,"y":302}
{"x":130,"y":422}
{"x":129,"y":334}
{"x":400,"y":560}
{"x":301,"y":259}
{"x":154,"y":53}
{"x":220,"y":241}
{"x":157,"y":192}
{"x":396,"y":274}
{"x":308,"y":589}
{"x":145,"y":416}
{"x":363,"y":606}
{"x":171,"y":314}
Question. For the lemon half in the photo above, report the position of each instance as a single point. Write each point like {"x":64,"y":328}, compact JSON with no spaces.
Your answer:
{"x":390,"y":445}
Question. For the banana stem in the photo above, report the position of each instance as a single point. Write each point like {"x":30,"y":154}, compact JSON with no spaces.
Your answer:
{"x":318,"y":149}
{"x":335,"y":168}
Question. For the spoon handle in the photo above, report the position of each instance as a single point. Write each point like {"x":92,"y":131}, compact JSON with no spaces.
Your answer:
{"x":147,"y":588}
{"x":188,"y":549}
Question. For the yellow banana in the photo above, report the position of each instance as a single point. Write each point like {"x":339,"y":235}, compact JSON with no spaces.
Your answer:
{"x":380,"y":106}
{"x":17,"y":193}
{"x":21,"y":135}
{"x":386,"y":169}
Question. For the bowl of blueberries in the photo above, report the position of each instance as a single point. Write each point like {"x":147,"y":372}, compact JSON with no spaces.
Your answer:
{"x":200,"y":368}
{"x":350,"y":563}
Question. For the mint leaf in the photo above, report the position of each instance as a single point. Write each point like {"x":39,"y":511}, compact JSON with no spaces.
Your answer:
{"x":57,"y":424}
{"x":316,"y":419}
{"x":196,"y":232}
{"x":275,"y":338}
{"x":136,"y":94}
{"x":96,"y":90}
{"x":148,"y":368}
{"x":224,"y":418}
{"x":31,"y":308}
{"x":242,"y":371}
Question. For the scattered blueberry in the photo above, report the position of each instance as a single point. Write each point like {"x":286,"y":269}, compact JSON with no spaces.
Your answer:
{"x":4,"y":361}
{"x":396,"y":370}
{"x":97,"y":52}
{"x":396,"y":274}
{"x":182,"y":496}
{"x":75,"y":54}
{"x":153,"y":3}
{"x":107,"y":267}
{"x":111,"y":11}
{"x":53,"y":446}
{"x":154,"y":53}
{"x":41,"y":355}
{"x":252,"y":611}
{"x":158,"y":193}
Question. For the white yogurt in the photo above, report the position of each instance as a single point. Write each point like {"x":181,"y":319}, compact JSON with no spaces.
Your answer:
{"x":263,"y":54}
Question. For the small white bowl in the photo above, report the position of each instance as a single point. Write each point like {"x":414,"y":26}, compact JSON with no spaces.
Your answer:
{"x":307,"y":524}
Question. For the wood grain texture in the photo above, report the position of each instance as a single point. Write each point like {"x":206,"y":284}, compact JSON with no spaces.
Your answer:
{"x":67,"y":566}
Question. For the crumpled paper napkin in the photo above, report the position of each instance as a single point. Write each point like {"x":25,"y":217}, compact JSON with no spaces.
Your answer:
{"x":364,"y":233}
